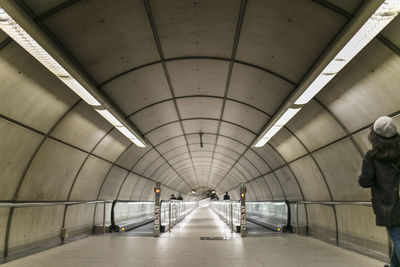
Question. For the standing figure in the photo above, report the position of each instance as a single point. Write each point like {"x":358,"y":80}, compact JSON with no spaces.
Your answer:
{"x":381,"y":173}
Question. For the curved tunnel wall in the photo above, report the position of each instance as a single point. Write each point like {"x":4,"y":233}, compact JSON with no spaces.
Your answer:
{"x":56,"y":148}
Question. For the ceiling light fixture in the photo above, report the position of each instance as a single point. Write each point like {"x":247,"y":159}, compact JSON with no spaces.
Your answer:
{"x":109,"y":117}
{"x":26,"y":41}
{"x":375,"y":23}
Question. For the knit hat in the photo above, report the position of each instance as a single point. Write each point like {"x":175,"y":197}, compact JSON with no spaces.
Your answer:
{"x":385,"y":127}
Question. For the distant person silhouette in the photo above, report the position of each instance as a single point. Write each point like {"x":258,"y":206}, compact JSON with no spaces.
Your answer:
{"x":180,"y":197}
{"x":173,"y":197}
{"x":226,"y":196}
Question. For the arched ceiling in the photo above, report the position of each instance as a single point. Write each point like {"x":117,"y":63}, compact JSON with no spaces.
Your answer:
{"x":178,"y":69}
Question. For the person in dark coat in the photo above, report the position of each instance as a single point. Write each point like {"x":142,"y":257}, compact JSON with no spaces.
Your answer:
{"x":226,"y":196}
{"x":180,"y":197}
{"x":381,"y":173}
{"x":173,"y":197}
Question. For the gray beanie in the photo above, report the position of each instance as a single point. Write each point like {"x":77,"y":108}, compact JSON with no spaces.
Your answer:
{"x":385,"y":127}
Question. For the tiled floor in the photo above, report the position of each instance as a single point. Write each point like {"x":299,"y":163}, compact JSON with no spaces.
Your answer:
{"x":183,"y":247}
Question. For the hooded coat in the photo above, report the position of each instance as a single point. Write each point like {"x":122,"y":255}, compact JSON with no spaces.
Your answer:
{"x":383,"y":178}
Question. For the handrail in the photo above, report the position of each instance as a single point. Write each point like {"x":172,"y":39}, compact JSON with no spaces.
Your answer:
{"x":363,"y":203}
{"x":23,"y":204}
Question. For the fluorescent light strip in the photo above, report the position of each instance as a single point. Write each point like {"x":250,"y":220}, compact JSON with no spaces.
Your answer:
{"x":130,"y":136}
{"x":287,"y":116}
{"x":9,"y":26}
{"x":375,"y":24}
{"x":109,"y":117}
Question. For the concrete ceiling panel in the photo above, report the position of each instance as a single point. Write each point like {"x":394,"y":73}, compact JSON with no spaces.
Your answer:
{"x":40,"y":7}
{"x":79,"y":219}
{"x":341,"y":164}
{"x":131,"y":156}
{"x":178,"y":158}
{"x":153,"y":167}
{"x":139,"y":89}
{"x":288,"y":182}
{"x":245,"y":116}
{"x":275,"y":187}
{"x":356,"y":94}
{"x":197,"y":147}
{"x":198,"y":76}
{"x":82,"y":127}
{"x":165,"y":132}
{"x":249,"y":167}
{"x":202,"y":160}
{"x":286,"y":36}
{"x":137,"y":191}
{"x":310,"y":179}
{"x":315,"y":127}
{"x":162,"y":170}
{"x":348,"y":5}
{"x":112,"y":146}
{"x":142,"y":164}
{"x":183,"y":165}
{"x":226,"y":158}
{"x":199,"y":107}
{"x":3,"y":36}
{"x":202,"y":154}
{"x":229,"y":143}
{"x":207,"y":138}
{"x":52,"y":172}
{"x":220,"y":166}
{"x":228,"y":152}
{"x":164,"y":176}
{"x":321,"y":221}
{"x":258,"y":88}
{"x":197,"y":126}
{"x":392,"y":31}
{"x":155,"y":116}
{"x":147,"y":190}
{"x":170,"y":144}
{"x":265,"y":193}
{"x":240,"y":173}
{"x":90,"y":28}
{"x":255,"y":159}
{"x":270,"y":156}
{"x":17,"y":146}
{"x":91,"y":176}
{"x":175,"y":152}
{"x":113,"y":183}
{"x":197,"y":36}
{"x":31,"y":94}
{"x":237,"y":133}
{"x":287,"y":145}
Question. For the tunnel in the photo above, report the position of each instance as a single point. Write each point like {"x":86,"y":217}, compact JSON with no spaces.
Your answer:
{"x":100,"y":100}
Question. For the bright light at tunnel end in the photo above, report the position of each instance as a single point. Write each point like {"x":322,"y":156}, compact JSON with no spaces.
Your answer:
{"x":386,"y":12}
{"x":19,"y":35}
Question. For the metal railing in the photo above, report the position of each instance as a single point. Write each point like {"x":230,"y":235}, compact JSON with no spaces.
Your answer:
{"x":25,"y":204}
{"x":297,"y":204}
{"x":228,"y":211}
{"x":173,"y":212}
